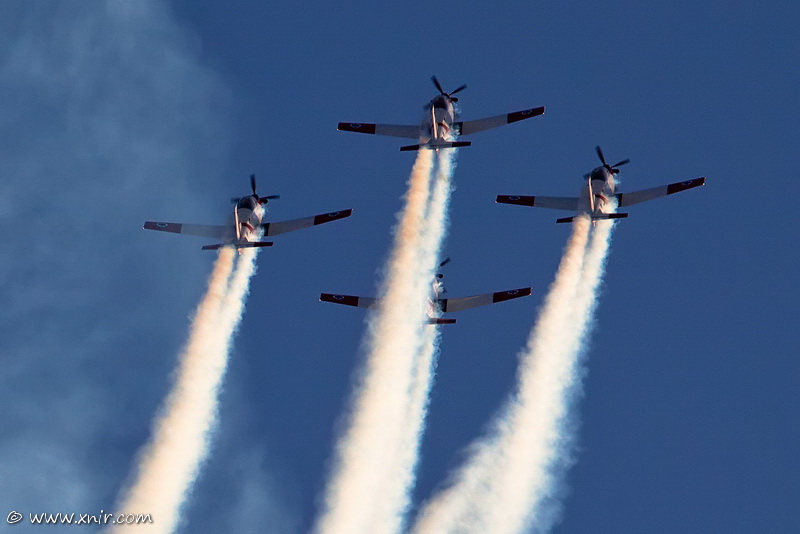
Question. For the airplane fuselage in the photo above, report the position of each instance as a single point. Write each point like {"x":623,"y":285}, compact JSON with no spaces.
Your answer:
{"x":437,"y":123}
{"x":249,"y":213}
{"x":596,"y":195}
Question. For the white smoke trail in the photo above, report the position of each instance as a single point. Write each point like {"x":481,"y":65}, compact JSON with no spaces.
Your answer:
{"x":546,"y":508}
{"x":509,"y":472}
{"x":238,"y":289}
{"x":424,"y":363}
{"x":362,"y":496}
{"x":170,"y":463}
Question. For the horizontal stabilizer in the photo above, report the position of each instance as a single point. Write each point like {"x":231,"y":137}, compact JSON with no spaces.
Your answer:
{"x":256,"y":244}
{"x":454,"y":144}
{"x":601,"y":216}
{"x":409,"y":147}
{"x":439,"y":320}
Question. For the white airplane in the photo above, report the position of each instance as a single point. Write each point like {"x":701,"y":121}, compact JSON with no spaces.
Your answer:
{"x":439,"y":127}
{"x":435,"y":305}
{"x":595,"y":197}
{"x":246,"y":228}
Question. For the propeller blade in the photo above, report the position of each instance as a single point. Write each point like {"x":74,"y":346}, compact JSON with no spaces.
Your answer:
{"x":459,"y":89}
{"x":444,"y":262}
{"x":270,"y":197}
{"x":623,"y":162}
{"x":438,"y":85}
{"x":600,"y":155}
{"x":253,"y":183}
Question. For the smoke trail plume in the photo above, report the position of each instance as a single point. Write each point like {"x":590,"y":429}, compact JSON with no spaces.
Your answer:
{"x":169,"y":464}
{"x":369,"y":490}
{"x":511,"y":475}
{"x":424,"y":363}
{"x":357,"y":499}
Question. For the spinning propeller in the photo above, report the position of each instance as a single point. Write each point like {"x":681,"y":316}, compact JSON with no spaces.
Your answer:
{"x":261,"y":200}
{"x":451,"y":93}
{"x":610,"y":168}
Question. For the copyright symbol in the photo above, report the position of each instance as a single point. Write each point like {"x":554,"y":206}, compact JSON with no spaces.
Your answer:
{"x":14,"y":517}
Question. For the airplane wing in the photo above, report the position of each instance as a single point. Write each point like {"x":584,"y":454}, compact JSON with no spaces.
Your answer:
{"x":470,"y":127}
{"x":282,"y":227}
{"x":464,"y":303}
{"x":392,"y":130}
{"x":348,"y":300}
{"x":627,"y":199}
{"x":203,"y":230}
{"x":556,"y":203}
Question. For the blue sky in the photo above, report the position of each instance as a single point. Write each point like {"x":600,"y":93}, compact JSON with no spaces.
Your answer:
{"x":115,"y":114}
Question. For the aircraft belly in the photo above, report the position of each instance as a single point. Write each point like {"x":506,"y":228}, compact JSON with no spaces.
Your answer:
{"x":584,"y":204}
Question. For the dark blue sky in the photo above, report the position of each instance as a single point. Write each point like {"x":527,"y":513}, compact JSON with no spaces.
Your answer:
{"x":115,"y":114}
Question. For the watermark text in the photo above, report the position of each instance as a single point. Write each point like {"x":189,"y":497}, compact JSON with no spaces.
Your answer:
{"x":61,"y":518}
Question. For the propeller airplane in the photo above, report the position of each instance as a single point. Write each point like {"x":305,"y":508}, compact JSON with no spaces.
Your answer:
{"x":596,"y":195}
{"x":439,"y":129}
{"x":435,"y":305}
{"x":246,"y":227}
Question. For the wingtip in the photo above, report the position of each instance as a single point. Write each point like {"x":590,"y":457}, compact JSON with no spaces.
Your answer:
{"x":525,"y":114}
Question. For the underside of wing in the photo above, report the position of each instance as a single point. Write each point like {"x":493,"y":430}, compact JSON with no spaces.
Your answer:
{"x":202,"y":230}
{"x":348,"y":300}
{"x":464,"y":303}
{"x":282,"y":227}
{"x":391,"y":130}
{"x":628,"y":199}
{"x":556,"y":203}
{"x":470,"y":127}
